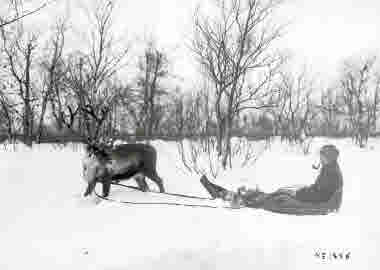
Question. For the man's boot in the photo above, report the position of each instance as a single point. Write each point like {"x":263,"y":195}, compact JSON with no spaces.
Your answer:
{"x":214,"y":190}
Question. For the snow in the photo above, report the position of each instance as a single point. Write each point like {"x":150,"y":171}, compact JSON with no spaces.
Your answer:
{"x":47,"y":224}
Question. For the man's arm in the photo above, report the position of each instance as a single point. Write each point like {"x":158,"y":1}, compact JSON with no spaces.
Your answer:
{"x":321,"y":190}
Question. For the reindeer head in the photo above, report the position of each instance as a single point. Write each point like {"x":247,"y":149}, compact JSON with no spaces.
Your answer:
{"x":97,"y":150}
{"x":95,"y":160}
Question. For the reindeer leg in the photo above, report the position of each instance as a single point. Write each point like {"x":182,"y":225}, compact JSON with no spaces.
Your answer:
{"x":106,"y":188}
{"x":106,"y":183}
{"x":90,"y":188}
{"x":154,"y":177}
{"x":140,"y":179}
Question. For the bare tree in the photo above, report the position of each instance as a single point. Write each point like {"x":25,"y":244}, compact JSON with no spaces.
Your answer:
{"x":19,"y":50}
{"x":235,"y":52}
{"x":373,"y":104}
{"x":53,"y":73}
{"x":153,"y":68}
{"x":15,"y":4}
{"x":331,"y":112}
{"x":91,"y":76}
{"x":175,"y":122}
{"x":359,"y":96}
{"x":7,"y":114}
{"x":198,"y":153}
{"x":296,"y":109}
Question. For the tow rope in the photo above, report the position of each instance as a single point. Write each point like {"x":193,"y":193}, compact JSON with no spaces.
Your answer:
{"x":162,"y":203}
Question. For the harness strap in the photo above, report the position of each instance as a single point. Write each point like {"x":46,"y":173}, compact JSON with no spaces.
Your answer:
{"x":162,"y":203}
{"x":166,"y":193}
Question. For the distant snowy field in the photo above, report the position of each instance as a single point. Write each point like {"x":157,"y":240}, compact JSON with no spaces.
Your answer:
{"x":46,"y":224}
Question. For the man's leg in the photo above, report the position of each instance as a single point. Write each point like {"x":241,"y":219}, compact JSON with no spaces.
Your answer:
{"x":253,"y":198}
{"x":261,"y":199}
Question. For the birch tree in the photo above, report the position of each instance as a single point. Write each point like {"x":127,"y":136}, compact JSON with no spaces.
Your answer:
{"x":235,"y":51}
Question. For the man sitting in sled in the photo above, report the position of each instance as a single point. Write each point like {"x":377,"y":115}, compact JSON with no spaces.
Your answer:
{"x":327,"y":184}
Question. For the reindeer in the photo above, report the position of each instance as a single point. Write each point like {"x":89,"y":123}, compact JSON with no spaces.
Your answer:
{"x":105,"y":164}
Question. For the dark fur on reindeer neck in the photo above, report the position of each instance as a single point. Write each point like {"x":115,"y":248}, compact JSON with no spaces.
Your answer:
{"x":100,"y":153}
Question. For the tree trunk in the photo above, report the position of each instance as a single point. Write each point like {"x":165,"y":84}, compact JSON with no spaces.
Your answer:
{"x":220,"y":125}
{"x":28,"y":118}
{"x":227,"y":142}
{"x":42,"y":116}
{"x":9,"y":121}
{"x":153,"y":88}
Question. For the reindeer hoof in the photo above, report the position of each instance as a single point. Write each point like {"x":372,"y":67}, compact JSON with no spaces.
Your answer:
{"x":144,"y":189}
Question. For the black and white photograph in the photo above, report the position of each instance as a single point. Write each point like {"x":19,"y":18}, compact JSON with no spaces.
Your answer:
{"x":189,"y":134}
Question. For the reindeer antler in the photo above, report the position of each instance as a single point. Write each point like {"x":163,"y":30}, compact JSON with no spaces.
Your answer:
{"x":69,"y":123}
{"x":72,"y":115}
{"x":89,"y":110}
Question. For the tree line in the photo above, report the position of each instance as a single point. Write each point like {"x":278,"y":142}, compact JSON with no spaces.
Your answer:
{"x":246,"y":86}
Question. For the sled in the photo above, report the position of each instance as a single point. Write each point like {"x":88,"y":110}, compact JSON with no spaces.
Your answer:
{"x":292,"y":206}
{"x":279,"y":204}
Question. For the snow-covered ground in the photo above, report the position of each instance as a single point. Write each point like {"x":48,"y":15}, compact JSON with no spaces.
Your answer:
{"x":46,"y":224}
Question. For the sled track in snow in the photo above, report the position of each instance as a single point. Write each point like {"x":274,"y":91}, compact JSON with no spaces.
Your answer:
{"x":163,"y":203}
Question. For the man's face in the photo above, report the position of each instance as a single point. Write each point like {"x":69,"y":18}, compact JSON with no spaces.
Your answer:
{"x":324,"y":160}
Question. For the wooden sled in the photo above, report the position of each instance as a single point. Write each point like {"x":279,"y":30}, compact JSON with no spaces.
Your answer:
{"x":291,"y":206}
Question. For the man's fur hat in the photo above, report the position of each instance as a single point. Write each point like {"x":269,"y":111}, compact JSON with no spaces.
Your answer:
{"x":330,"y":152}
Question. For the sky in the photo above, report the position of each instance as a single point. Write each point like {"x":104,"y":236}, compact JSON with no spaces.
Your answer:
{"x":321,"y":34}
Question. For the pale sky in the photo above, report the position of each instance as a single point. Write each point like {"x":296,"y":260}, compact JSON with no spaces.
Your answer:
{"x":325,"y":32}
{"x":321,"y":35}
